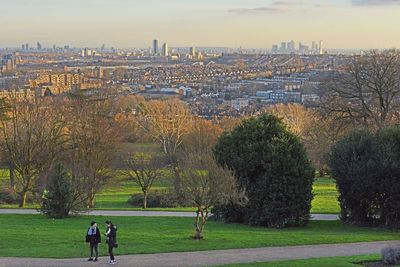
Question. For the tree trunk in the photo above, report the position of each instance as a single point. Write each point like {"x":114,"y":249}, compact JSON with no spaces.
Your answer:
{"x":180,"y":197}
{"x":12,"y":178}
{"x":22,"y":202}
{"x":145,"y":199}
{"x":200,"y":221}
{"x":90,"y":202}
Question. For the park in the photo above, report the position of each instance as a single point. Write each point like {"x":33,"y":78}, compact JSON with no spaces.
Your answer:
{"x":291,"y":186}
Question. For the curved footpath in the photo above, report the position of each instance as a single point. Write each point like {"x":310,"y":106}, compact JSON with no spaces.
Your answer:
{"x":214,"y":257}
{"x":133,"y":213}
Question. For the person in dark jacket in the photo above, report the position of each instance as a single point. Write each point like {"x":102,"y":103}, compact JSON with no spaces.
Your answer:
{"x":93,"y":237}
{"x":111,"y":235}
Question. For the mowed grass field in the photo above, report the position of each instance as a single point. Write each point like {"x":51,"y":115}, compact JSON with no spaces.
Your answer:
{"x":116,"y":193}
{"x":37,"y":236}
{"x":354,"y":261}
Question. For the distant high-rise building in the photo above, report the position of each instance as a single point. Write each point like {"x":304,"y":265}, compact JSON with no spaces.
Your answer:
{"x":164,"y":50}
{"x":54,"y":47}
{"x":321,"y":49}
{"x":314,"y":47}
{"x":192,"y":51}
{"x":274,"y":49}
{"x":38,"y":46}
{"x":283,"y":47}
{"x":291,"y":47}
{"x":27,"y":46}
{"x":86,"y":52}
{"x":23,"y":47}
{"x":155,"y":47}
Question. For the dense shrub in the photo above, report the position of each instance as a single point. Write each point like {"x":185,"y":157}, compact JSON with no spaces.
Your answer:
{"x":156,"y":199}
{"x":7,"y":196}
{"x":391,"y":255}
{"x":366,"y":167}
{"x":272,"y":166}
{"x":10,"y":197}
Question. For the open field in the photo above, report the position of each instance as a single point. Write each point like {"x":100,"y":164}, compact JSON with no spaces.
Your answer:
{"x":115,"y":195}
{"x":353,"y":261}
{"x":50,"y":238}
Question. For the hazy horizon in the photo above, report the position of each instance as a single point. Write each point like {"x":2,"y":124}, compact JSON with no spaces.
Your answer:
{"x":341,"y":24}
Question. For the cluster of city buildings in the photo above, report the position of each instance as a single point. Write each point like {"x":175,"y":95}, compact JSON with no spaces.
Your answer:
{"x":8,"y":63}
{"x":213,"y":82}
{"x":290,"y":47}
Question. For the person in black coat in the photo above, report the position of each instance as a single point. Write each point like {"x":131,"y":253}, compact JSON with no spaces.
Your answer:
{"x":93,"y":237}
{"x":111,"y":235}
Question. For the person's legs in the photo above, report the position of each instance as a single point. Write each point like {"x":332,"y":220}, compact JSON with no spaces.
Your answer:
{"x":96,"y":249}
{"x":110,"y":251}
{"x":91,"y":250}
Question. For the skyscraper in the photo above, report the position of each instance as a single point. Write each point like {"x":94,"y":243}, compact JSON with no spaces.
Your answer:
{"x":164,"y":50}
{"x":155,"y":47}
{"x":321,"y":49}
{"x":283,"y":47}
{"x":39,"y":46}
{"x":291,"y":47}
{"x":192,"y":51}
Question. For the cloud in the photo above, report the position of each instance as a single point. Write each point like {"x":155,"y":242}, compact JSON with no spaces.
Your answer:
{"x":276,"y":7}
{"x":257,"y":10}
{"x":375,"y":2}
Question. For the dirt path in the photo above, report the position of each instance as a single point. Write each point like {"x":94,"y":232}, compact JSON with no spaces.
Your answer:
{"x":214,"y":257}
{"x":316,"y":217}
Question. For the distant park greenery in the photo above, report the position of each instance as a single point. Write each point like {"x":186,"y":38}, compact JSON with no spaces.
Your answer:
{"x":366,"y":167}
{"x":273,"y":169}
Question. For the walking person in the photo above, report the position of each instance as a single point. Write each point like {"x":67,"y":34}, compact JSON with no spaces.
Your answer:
{"x":111,"y":235}
{"x":93,"y":237}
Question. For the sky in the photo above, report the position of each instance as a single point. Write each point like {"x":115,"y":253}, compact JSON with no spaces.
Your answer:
{"x":340,"y":24}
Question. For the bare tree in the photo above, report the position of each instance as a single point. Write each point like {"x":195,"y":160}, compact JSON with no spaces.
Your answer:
{"x":144,"y":169}
{"x":32,"y":137}
{"x":207,"y":184}
{"x":202,"y":136}
{"x":91,"y":144}
{"x":167,"y":122}
{"x":366,"y":92}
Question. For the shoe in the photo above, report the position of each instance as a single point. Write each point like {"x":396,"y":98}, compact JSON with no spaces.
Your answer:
{"x":90,"y":259}
{"x":95,"y":259}
{"x":111,"y":262}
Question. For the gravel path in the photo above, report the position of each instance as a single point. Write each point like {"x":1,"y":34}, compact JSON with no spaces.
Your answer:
{"x":214,"y":257}
{"x":316,"y":217}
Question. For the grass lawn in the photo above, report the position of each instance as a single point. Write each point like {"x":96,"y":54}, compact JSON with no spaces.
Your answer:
{"x":115,"y":195}
{"x":325,"y":196}
{"x":36,"y":236}
{"x":353,"y":261}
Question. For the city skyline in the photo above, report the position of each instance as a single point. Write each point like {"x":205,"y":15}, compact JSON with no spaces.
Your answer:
{"x":361,"y":24}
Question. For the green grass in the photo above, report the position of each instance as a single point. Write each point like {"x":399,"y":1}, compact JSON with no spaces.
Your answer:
{"x":325,"y":196}
{"x":36,"y":236}
{"x":116,"y":193}
{"x":353,"y":261}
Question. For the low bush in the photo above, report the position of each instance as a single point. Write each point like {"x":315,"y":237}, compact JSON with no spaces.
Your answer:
{"x":10,"y":197}
{"x":156,"y":199}
{"x":7,"y":196}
